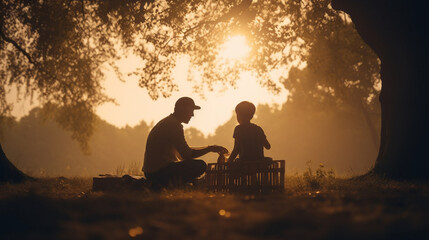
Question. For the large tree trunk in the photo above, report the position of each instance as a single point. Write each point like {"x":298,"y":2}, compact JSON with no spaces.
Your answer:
{"x":8,"y":172}
{"x":397,"y":30}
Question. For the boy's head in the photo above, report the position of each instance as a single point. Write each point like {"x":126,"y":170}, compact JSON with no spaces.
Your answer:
{"x":245,"y":111}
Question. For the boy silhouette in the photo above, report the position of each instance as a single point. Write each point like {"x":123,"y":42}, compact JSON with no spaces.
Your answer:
{"x":250,"y":139}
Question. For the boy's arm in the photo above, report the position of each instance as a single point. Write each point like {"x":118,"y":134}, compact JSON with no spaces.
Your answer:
{"x":234,"y":152}
{"x":267,"y":144}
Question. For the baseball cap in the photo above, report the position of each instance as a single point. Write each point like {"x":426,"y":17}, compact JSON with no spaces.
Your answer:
{"x":186,"y":102}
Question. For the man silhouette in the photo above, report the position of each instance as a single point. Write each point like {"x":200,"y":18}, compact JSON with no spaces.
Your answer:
{"x":168,"y":160}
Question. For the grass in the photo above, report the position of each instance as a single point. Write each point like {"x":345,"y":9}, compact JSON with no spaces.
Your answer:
{"x":133,"y":169}
{"x":311,"y":207}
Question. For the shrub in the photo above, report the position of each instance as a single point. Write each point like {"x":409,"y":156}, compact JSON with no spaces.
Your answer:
{"x":318,"y":179}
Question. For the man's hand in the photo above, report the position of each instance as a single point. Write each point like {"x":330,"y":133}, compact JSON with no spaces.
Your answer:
{"x":218,"y":149}
{"x":197,"y":152}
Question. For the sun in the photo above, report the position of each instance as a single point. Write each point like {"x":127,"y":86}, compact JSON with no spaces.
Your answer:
{"x":234,"y":48}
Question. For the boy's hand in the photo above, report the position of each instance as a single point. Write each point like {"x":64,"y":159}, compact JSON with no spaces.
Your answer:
{"x":218,"y":149}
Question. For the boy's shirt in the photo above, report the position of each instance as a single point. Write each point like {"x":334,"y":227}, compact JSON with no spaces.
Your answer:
{"x":251,"y":140}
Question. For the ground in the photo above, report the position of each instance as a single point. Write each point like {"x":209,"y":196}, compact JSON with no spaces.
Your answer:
{"x":371,"y":208}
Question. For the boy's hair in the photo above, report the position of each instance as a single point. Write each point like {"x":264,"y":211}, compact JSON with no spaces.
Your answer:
{"x":245,"y":109}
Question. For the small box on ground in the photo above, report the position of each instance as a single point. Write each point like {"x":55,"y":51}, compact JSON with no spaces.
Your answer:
{"x":246,"y":177}
{"x":113,"y":183}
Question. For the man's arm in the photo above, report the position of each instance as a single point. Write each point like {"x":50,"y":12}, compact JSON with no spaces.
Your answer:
{"x":189,"y":153}
{"x":203,"y":151}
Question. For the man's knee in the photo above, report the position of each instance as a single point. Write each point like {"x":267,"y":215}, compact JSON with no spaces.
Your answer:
{"x":197,"y":166}
{"x":201,"y":165}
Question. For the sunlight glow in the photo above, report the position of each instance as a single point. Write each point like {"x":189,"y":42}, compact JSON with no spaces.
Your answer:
{"x":134,"y":104}
{"x":217,"y":106}
{"x":235,"y":48}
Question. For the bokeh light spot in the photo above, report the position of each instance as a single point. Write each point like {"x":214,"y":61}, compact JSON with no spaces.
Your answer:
{"x":224,"y":213}
{"x":134,"y":232}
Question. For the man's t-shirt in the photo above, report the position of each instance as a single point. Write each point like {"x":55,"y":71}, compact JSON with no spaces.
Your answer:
{"x":165,"y":141}
{"x":251,"y":140}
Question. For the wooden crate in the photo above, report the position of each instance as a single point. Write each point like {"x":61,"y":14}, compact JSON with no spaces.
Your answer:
{"x":246,"y":177}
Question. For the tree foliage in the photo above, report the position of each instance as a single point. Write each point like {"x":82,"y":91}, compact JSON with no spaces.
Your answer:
{"x":56,"y":50}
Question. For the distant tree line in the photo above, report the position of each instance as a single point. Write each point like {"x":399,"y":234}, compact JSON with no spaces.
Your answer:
{"x":337,"y":138}
{"x":40,"y":147}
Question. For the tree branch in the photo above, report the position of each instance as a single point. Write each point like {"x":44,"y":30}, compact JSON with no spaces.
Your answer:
{"x":16,"y":45}
{"x":233,"y":12}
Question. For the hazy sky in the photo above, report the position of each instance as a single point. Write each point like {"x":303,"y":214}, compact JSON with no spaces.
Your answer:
{"x":216,"y":107}
{"x":134,"y":104}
